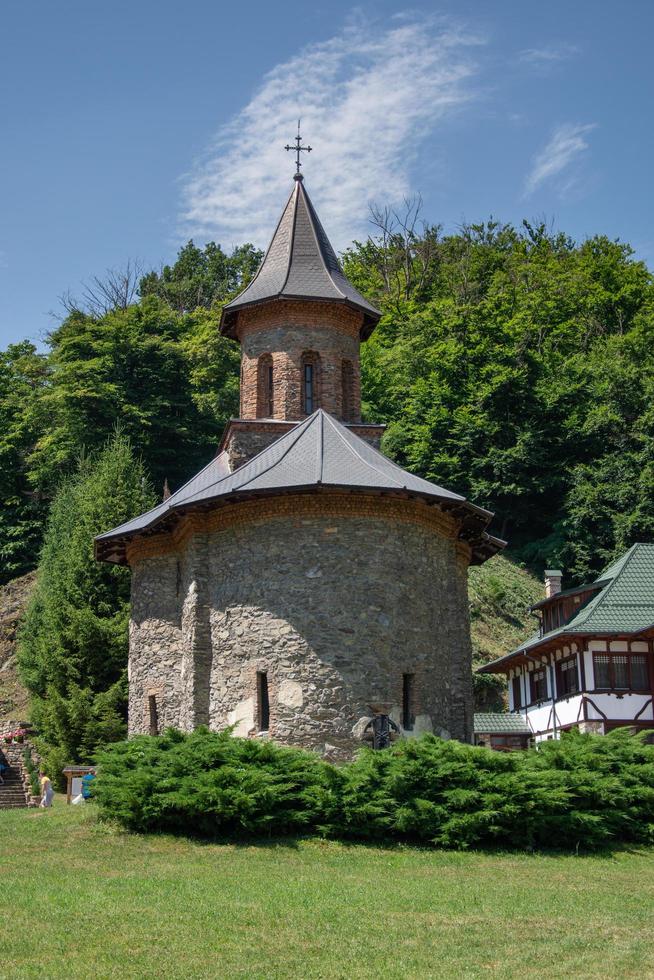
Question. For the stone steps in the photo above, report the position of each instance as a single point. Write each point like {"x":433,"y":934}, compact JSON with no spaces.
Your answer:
{"x":12,"y":794}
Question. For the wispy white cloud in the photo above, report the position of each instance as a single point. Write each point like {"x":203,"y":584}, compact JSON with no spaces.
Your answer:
{"x":548,"y":55}
{"x":557,"y":158}
{"x":367,"y":97}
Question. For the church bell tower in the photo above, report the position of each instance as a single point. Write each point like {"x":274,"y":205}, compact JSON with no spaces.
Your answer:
{"x":300,"y":324}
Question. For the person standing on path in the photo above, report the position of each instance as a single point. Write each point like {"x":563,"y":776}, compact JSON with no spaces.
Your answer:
{"x":47,"y":791}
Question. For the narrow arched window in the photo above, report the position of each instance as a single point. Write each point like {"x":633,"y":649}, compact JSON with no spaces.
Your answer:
{"x":153,"y":715}
{"x":265,"y":387}
{"x":407,"y":701}
{"x":310,"y":383}
{"x":263,"y":702}
{"x":347,"y":390}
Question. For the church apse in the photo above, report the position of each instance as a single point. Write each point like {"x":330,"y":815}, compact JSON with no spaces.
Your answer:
{"x":354,"y":595}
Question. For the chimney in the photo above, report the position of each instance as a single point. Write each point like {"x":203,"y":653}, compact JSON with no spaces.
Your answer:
{"x":552,"y":582}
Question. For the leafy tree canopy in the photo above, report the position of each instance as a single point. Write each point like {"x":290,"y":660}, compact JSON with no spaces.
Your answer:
{"x":511,"y":364}
{"x":23,"y":380}
{"x":516,"y":367}
{"x":202,"y":277}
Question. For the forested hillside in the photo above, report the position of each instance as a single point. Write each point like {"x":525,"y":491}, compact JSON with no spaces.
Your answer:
{"x":512,"y":365}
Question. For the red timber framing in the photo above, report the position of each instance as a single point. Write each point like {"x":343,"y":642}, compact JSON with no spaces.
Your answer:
{"x":639,"y":678}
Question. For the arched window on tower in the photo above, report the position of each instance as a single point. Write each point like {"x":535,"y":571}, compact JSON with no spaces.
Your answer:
{"x":347,"y":390}
{"x":310,"y":382}
{"x":265,"y":387}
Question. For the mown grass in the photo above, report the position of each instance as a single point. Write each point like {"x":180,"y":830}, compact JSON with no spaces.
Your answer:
{"x":82,"y":899}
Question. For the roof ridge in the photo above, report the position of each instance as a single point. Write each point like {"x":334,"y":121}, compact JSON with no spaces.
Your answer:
{"x":265,"y":255}
{"x":321,"y":445}
{"x":626,"y":561}
{"x":291,"y":242}
{"x":621,"y":561}
{"x":313,"y":217}
{"x":336,"y":426}
{"x":192,"y":480}
{"x":599,"y":599}
{"x":295,"y":431}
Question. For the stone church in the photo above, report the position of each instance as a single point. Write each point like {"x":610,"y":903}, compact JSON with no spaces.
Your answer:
{"x":301,"y":581}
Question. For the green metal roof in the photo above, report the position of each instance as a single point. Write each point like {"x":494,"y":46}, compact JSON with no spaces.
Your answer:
{"x":495,"y":723}
{"x":625,"y":604}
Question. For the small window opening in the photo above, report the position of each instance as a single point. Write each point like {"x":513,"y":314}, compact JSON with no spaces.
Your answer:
{"x":517,"y":693}
{"x":270,"y":392}
{"x":178,"y":578}
{"x":263,"y":702}
{"x":153,"y":715}
{"x":407,"y":702}
{"x":308,"y":389}
{"x":538,"y":685}
{"x":347,"y":388}
{"x":265,"y":387}
{"x":310,"y":382}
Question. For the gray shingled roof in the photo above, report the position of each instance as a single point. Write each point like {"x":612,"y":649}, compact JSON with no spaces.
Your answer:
{"x":625,"y":604}
{"x":317,"y":453}
{"x":499,"y":723}
{"x":300,"y":264}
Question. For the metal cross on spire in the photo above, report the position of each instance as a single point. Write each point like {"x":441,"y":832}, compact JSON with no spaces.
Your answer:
{"x":298,"y":149}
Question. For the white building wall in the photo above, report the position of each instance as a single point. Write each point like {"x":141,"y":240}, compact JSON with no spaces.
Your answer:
{"x":600,"y":706}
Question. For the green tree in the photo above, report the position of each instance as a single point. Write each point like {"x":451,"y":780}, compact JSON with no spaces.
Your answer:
{"x":74,"y":639}
{"x":166,"y":378}
{"x":202,"y":277}
{"x":514,"y":366}
{"x":23,"y":378}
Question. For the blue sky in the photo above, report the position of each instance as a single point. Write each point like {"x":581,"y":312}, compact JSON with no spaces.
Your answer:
{"x":128,"y":127}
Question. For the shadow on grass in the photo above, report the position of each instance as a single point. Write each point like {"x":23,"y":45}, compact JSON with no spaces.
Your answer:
{"x":293,"y":842}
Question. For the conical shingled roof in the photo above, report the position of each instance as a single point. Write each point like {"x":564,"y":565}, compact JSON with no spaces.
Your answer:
{"x":300,"y":264}
{"x":318,"y":453}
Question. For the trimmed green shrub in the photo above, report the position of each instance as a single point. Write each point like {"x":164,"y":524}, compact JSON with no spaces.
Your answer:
{"x":213,"y":784}
{"x":582,"y":792}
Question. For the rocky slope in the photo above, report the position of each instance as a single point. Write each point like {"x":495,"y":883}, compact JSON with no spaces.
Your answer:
{"x":500,"y":594}
{"x":13,"y":696}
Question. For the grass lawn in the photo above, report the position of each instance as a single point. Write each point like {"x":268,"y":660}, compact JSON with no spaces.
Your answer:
{"x":81,"y":899}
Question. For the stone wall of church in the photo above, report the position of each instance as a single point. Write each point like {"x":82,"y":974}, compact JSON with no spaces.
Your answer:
{"x":155,"y":643}
{"x":286,"y":331}
{"x":333,"y":598}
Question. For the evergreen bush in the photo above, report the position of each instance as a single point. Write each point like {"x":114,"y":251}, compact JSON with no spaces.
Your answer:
{"x":582,"y":792}
{"x":213,"y":784}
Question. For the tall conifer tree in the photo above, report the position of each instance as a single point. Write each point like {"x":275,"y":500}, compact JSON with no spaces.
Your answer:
{"x":74,"y":640}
